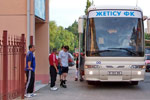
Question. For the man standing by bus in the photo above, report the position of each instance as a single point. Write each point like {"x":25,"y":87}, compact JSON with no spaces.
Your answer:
{"x":59,"y":67}
{"x":63,"y":59}
{"x":30,"y":72}
{"x":53,"y":69}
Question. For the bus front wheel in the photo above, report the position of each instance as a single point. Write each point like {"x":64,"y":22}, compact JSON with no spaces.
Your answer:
{"x":93,"y":82}
{"x":134,"y":83}
{"x":90,"y":82}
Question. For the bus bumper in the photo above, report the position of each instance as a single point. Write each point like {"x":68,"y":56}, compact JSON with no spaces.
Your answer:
{"x":102,"y":75}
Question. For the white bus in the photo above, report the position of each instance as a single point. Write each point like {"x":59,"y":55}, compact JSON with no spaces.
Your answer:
{"x":114,"y":44}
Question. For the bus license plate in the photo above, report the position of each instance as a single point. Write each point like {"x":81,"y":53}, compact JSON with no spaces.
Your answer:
{"x":114,"y":73}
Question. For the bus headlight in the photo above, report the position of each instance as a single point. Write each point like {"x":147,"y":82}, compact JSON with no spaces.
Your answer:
{"x":137,"y":66}
{"x":91,"y":72}
{"x":139,"y":72}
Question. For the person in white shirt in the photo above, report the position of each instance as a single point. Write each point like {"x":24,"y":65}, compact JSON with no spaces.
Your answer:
{"x":63,"y":59}
{"x":59,"y":67}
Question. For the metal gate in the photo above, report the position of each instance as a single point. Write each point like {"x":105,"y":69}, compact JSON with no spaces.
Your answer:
{"x":12,"y":63}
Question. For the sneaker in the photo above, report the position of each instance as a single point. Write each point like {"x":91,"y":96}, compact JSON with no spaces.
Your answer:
{"x":81,"y":79}
{"x":76,"y":79}
{"x":54,"y":88}
{"x":33,"y":94}
{"x":64,"y":85}
{"x":28,"y":95}
{"x":61,"y":82}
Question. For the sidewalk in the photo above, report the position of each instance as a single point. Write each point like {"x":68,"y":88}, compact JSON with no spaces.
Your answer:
{"x":39,"y":85}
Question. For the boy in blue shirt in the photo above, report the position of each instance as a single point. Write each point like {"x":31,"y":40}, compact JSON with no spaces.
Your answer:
{"x":30,"y":72}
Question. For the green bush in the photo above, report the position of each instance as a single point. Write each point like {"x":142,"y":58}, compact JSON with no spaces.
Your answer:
{"x":147,"y":36}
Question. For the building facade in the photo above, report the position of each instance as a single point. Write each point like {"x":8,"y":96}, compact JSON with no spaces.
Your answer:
{"x":30,"y":17}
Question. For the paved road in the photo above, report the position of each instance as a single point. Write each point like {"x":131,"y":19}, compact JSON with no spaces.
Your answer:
{"x":103,"y":91}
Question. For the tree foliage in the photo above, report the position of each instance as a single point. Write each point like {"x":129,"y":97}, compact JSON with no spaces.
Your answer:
{"x":88,"y":4}
{"x":147,"y":36}
{"x":74,"y":29}
{"x":59,"y":36}
{"x":69,"y":36}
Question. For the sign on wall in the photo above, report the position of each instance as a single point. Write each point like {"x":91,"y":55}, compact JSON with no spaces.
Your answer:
{"x":40,"y":9}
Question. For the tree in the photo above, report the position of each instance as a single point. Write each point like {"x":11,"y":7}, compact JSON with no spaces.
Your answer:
{"x":147,"y":38}
{"x":88,"y":4}
{"x":74,"y":29}
{"x":52,"y":31}
{"x":69,"y":36}
{"x":59,"y":36}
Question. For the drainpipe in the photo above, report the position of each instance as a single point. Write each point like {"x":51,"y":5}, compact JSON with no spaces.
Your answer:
{"x":28,"y":23}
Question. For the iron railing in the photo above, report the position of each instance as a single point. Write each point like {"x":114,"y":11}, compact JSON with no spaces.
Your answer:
{"x":12,"y":63}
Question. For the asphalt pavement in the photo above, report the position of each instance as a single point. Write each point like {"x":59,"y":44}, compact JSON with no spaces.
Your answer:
{"x":77,"y":90}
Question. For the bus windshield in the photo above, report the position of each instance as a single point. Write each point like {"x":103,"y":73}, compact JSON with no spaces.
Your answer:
{"x":115,"y":37}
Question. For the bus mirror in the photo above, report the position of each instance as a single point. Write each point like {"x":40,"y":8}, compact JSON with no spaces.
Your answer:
{"x":81,"y":24}
{"x":144,"y":18}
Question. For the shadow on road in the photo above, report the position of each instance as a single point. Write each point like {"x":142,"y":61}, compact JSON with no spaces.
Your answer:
{"x":110,"y":86}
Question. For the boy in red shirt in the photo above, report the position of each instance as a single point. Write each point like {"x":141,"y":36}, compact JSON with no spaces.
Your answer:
{"x":53,"y":69}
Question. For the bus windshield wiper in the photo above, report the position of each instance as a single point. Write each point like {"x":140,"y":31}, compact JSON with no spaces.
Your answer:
{"x":97,"y":52}
{"x":125,"y":50}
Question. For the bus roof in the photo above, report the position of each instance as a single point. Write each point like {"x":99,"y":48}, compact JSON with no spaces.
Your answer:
{"x":115,"y":8}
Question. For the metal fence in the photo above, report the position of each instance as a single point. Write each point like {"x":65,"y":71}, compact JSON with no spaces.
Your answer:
{"x":12,"y":63}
